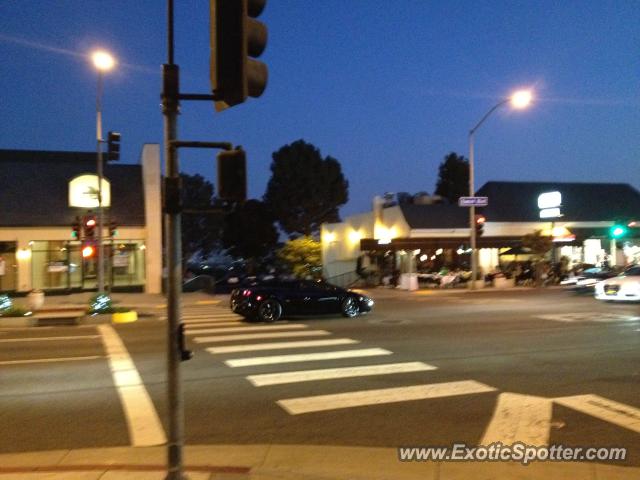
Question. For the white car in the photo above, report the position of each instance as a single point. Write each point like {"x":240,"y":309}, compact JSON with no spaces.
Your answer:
{"x":623,"y":288}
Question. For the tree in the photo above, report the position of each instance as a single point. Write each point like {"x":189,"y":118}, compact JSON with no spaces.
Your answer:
{"x":303,"y":256}
{"x":305,"y":189}
{"x":249,"y":232}
{"x":539,"y":245}
{"x":200,"y":231}
{"x":453,"y":177}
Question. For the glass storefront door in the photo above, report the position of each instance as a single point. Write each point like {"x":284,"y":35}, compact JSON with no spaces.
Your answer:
{"x":8,"y":267}
{"x":61,"y":265}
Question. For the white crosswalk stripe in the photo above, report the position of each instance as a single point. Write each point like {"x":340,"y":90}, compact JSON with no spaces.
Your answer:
{"x":334,"y":373}
{"x":281,"y":345}
{"x":319,"y":403}
{"x":306,"y":357}
{"x":599,"y":407}
{"x":590,"y":317}
{"x":293,"y":326}
{"x":195,"y":326}
{"x":519,"y":418}
{"x":255,"y":336}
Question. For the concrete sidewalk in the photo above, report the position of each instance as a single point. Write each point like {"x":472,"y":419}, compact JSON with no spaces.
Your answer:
{"x":137,"y":301}
{"x":283,"y":462}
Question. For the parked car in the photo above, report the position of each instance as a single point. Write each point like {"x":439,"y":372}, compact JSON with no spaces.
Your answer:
{"x":587,"y":280}
{"x":268,"y":301}
{"x":623,"y":288}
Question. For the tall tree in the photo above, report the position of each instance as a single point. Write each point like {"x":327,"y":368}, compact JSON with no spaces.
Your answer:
{"x":305,"y":189}
{"x":453,"y":177}
{"x":200,"y":231}
{"x":249,"y":232}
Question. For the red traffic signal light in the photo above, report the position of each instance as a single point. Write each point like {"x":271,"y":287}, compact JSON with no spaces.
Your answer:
{"x":89,"y":226}
{"x":480,"y":220}
{"x":235,"y":38}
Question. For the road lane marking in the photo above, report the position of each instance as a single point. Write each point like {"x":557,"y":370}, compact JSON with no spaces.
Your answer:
{"x":143,"y":422}
{"x":208,"y":302}
{"x":613,"y":412}
{"x":46,"y":339}
{"x":293,"y":326}
{"x":51,"y":360}
{"x":519,"y":418}
{"x":306,"y":357}
{"x":333,"y":373}
{"x":297,"y":406}
{"x":255,"y":336}
{"x":281,"y":345}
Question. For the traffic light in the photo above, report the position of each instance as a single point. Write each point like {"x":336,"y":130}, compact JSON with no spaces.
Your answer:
{"x":76,"y":227}
{"x":235,"y":38}
{"x":618,"y":230}
{"x":88,"y":251}
{"x":113,"y":229}
{"x":480,"y":220}
{"x":113,"y":146}
{"x":232,"y":175}
{"x":89,"y":225}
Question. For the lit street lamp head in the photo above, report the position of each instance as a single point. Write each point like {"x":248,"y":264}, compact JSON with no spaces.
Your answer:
{"x":521,"y":99}
{"x":102,"y":60}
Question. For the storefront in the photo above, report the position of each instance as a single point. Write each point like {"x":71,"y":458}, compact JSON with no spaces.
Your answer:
{"x":429,"y":235}
{"x":40,"y":247}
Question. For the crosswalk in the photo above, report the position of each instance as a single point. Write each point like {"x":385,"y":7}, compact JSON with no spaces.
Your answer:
{"x":245,"y":347}
{"x":283,"y":345}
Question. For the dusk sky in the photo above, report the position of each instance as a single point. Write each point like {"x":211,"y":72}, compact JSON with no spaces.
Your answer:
{"x":386,"y":87}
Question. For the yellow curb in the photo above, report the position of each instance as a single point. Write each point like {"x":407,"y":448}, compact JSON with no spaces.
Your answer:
{"x":207,"y":302}
{"x":124,"y":317}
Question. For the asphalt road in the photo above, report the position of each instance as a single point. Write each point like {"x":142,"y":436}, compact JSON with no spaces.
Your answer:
{"x":469,"y":367}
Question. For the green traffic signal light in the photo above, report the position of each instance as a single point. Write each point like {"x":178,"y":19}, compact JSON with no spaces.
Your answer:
{"x":618,"y":231}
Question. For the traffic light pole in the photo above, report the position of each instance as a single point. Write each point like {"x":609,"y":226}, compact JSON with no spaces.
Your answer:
{"x":472,"y":215}
{"x":170,"y":106}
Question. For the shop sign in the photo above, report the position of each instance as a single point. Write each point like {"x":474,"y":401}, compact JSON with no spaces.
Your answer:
{"x":83,"y":192}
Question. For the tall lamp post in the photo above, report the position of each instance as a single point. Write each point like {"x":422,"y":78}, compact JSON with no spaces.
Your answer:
{"x":103,"y":61}
{"x":518,"y":100}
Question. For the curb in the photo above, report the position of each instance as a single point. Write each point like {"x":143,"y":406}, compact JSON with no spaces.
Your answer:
{"x":298,"y":462}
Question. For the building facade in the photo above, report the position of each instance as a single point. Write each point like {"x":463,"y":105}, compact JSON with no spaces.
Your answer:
{"x":38,"y":249}
{"x":424,"y":234}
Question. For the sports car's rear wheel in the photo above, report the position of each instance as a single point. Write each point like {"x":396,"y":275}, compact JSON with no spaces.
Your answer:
{"x":269,"y":311}
{"x":349,"y":307}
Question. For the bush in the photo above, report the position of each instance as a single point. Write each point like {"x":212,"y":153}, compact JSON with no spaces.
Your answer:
{"x":14,"y":312}
{"x":102,"y":303}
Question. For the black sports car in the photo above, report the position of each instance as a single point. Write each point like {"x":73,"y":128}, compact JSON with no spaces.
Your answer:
{"x":268,"y":301}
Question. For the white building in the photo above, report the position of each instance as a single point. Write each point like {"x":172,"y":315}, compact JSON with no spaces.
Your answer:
{"x":415,"y":235}
{"x":37,"y":246}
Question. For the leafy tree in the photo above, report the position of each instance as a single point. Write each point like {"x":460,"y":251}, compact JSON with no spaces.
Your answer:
{"x":305,"y":189}
{"x":249,"y":232}
{"x":540,"y":245}
{"x":303,"y":256}
{"x":453,"y":177}
{"x":200,"y":231}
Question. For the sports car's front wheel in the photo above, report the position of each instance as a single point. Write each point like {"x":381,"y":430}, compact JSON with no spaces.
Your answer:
{"x":349,"y":307}
{"x":269,"y":311}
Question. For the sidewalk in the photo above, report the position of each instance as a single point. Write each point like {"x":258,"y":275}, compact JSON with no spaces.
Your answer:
{"x":283,"y":462}
{"x":147,"y":302}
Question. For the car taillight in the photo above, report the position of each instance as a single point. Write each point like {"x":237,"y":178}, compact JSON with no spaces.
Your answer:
{"x":246,"y":293}
{"x":259,"y":297}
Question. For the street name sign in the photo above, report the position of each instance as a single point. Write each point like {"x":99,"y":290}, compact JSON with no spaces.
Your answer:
{"x":473,"y":201}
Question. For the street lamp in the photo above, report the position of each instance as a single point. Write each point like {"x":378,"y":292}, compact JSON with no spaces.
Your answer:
{"x":103,"y":62}
{"x":518,"y":100}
